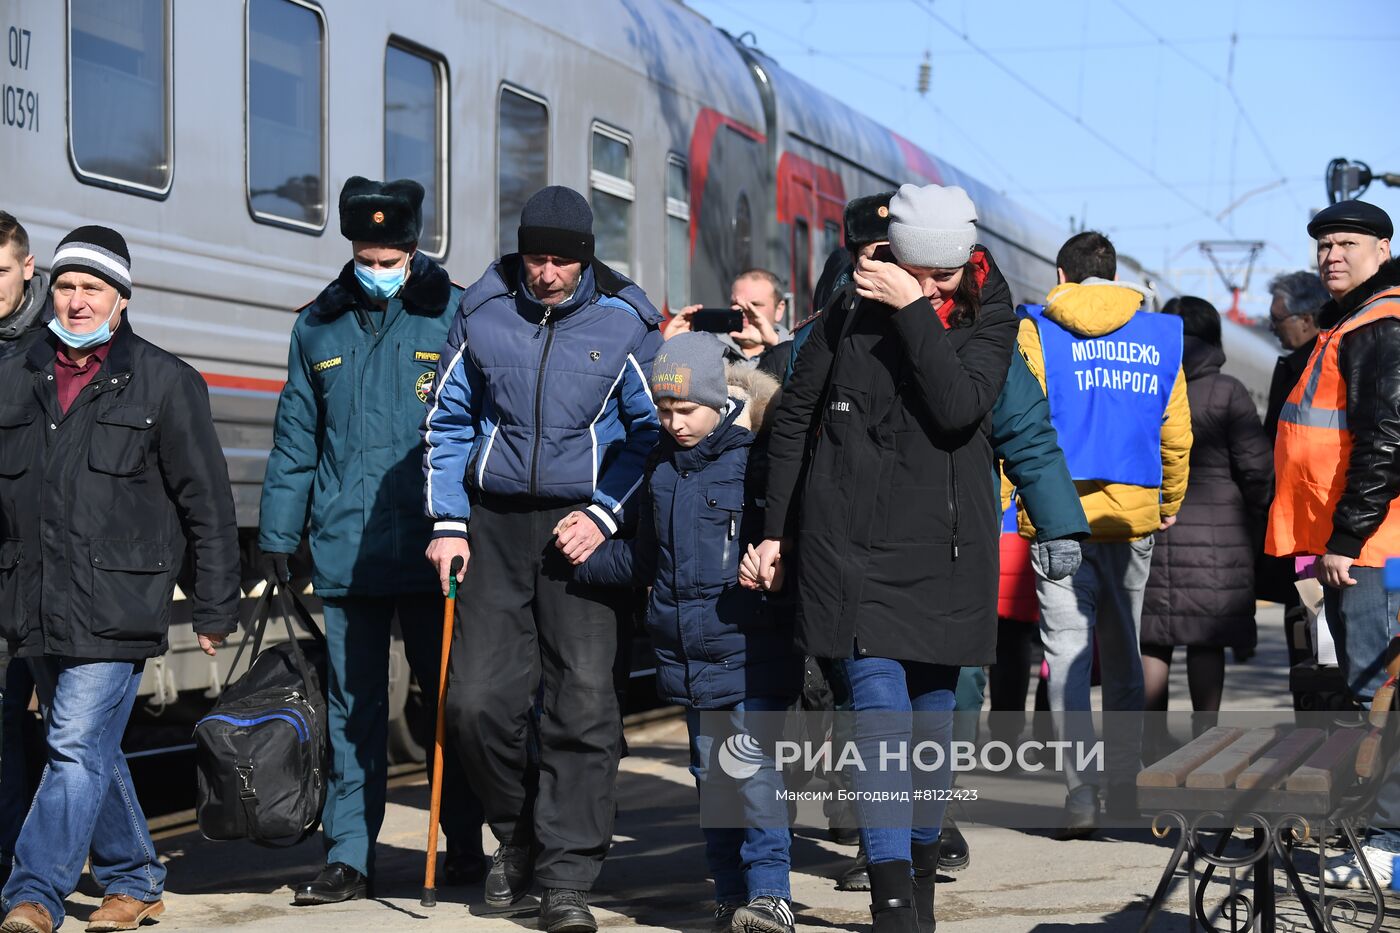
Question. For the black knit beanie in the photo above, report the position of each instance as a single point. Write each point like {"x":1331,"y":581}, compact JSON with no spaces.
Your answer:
{"x":557,"y":221}
{"x":99,"y":251}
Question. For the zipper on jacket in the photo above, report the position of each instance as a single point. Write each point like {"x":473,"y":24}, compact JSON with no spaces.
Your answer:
{"x":539,"y":402}
{"x":953,"y":498}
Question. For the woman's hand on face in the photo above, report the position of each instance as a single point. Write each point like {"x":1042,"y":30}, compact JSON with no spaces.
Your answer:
{"x":886,"y":283}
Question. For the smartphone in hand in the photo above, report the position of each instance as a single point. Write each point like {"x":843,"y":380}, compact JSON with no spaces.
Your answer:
{"x":717,"y":320}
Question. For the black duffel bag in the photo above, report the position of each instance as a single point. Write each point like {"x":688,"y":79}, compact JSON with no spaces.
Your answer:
{"x":261,"y":751}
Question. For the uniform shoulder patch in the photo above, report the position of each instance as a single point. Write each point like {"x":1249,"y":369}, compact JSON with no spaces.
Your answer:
{"x":426,"y":356}
{"x":805,"y":322}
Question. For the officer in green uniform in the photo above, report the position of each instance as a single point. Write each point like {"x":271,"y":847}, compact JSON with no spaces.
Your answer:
{"x":347,"y":458}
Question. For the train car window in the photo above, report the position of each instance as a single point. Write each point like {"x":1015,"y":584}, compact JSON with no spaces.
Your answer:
{"x":802,"y":266}
{"x":612,"y":194}
{"x":831,"y":239}
{"x":119,"y":83}
{"x":286,"y":102}
{"x":415,"y":133}
{"x":677,"y":233}
{"x":743,"y":236}
{"x":522,"y":159}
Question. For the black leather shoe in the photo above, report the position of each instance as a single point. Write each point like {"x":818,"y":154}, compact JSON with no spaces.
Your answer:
{"x":512,"y":872}
{"x":857,"y":877}
{"x":953,"y":853}
{"x":337,"y":882}
{"x":564,"y":910}
{"x":459,"y":869}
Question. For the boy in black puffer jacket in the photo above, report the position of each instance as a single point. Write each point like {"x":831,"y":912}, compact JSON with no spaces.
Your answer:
{"x":718,"y":646}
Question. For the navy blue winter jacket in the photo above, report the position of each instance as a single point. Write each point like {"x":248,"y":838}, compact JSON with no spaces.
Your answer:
{"x":542,"y":403}
{"x":716,"y":642}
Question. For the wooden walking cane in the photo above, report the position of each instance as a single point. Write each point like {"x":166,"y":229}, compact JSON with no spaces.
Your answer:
{"x":449,"y":610}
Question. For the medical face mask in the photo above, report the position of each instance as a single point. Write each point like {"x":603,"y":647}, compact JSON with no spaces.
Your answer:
{"x":381,"y":284}
{"x":91,"y":339}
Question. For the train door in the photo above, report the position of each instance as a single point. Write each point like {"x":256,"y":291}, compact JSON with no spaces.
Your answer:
{"x":727,"y":211}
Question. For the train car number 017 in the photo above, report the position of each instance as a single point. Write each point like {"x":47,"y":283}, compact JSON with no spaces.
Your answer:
{"x":19,"y":107}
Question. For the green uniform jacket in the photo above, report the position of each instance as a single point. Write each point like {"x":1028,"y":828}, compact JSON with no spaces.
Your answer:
{"x":346,"y":461}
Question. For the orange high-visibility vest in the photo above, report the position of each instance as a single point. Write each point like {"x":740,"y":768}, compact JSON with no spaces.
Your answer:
{"x":1313,"y":451}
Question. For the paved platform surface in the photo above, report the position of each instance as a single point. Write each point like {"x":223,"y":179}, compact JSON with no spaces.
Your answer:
{"x":655,"y":876}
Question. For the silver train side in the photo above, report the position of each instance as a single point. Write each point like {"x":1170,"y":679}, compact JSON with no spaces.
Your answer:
{"x":770,"y":163}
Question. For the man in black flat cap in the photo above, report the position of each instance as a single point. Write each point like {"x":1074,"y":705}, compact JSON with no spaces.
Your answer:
{"x":1338,"y":463}
{"x":345,"y":453}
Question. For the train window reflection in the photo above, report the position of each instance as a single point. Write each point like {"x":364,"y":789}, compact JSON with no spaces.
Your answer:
{"x":613,"y":194}
{"x":415,"y":137}
{"x":677,"y":233}
{"x":522,"y":159}
{"x":831,"y":239}
{"x":119,"y":116}
{"x":743,"y":236}
{"x":801,"y":267}
{"x":286,"y":113}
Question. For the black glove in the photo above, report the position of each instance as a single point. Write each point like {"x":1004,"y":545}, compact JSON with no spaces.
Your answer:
{"x":274,"y":568}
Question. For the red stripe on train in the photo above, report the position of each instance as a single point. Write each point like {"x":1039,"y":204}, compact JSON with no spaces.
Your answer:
{"x":220,"y":381}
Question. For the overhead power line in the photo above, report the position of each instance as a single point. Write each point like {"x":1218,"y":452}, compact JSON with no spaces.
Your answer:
{"x":1224,"y":82}
{"x":1055,"y":105}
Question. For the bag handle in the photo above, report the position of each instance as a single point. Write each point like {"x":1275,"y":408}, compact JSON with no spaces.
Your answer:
{"x":262,"y":614}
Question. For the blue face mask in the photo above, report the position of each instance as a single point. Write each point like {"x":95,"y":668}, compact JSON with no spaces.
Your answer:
{"x":95,"y":338}
{"x":381,"y":284}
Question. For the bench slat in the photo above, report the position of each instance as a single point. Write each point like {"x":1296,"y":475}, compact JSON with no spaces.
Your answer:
{"x":1171,"y":771}
{"x":1274,"y":764}
{"x":1332,"y":763}
{"x":1220,"y":771}
{"x":1368,"y":756}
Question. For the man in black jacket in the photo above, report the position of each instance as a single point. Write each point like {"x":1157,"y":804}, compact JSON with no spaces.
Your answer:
{"x":1338,"y":462}
{"x":25,"y":308}
{"x":110,"y":473}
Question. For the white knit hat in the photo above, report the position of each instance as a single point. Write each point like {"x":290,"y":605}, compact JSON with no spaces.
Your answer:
{"x":932,"y":227}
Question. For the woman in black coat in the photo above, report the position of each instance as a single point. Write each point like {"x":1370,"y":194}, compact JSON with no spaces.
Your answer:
{"x":1201,"y":591}
{"x":897,"y":518}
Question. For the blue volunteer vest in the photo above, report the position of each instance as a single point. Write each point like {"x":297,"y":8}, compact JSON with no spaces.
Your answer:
{"x":1108,"y":395}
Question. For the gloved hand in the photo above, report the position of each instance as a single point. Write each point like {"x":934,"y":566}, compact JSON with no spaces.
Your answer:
{"x":274,"y":568}
{"x":1059,"y":558}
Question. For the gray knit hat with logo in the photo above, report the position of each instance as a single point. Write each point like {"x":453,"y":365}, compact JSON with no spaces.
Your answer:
{"x":690,"y":368}
{"x":932,"y":227}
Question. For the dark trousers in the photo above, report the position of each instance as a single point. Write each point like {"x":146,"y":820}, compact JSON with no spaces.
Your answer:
{"x":358,"y":632}
{"x":526,"y":632}
{"x":16,"y":790}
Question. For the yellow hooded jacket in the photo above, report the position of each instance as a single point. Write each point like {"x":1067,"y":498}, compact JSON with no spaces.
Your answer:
{"x":1116,"y":511}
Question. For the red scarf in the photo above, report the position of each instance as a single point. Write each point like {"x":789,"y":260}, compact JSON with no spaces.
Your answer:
{"x":981,"y":269}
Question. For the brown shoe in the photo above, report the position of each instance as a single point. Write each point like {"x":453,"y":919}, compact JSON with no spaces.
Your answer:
{"x":123,"y":912}
{"x":27,"y":917}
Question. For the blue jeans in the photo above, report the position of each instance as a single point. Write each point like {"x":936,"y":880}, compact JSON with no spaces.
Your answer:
{"x":358,"y":630}
{"x":746,"y":862}
{"x":14,"y":771}
{"x":883,"y":685}
{"x":85,"y":801}
{"x":1363,"y":620}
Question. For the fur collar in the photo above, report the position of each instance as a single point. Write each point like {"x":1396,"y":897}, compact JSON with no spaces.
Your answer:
{"x":1339,"y":309}
{"x":426,"y":292}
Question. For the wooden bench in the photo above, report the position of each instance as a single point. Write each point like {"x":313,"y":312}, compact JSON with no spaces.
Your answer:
{"x":1271,"y":779}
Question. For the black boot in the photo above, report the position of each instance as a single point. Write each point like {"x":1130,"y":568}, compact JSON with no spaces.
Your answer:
{"x":857,"y":877}
{"x":954,"y":854}
{"x":512,"y":872}
{"x":564,"y":910}
{"x":892,"y":898}
{"x":925,"y":873}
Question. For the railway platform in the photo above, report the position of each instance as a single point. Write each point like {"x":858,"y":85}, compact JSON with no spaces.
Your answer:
{"x":655,"y":877}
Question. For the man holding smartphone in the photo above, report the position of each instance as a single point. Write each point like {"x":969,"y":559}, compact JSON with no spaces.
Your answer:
{"x":759,"y":340}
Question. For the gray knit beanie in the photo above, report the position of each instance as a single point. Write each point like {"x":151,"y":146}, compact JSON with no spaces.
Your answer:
{"x":690,"y":368}
{"x":932,"y":227}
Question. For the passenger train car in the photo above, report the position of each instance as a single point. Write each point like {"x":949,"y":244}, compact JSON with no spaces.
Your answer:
{"x":216,"y":137}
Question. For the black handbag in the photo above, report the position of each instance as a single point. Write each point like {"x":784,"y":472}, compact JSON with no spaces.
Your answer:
{"x":261,"y":751}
